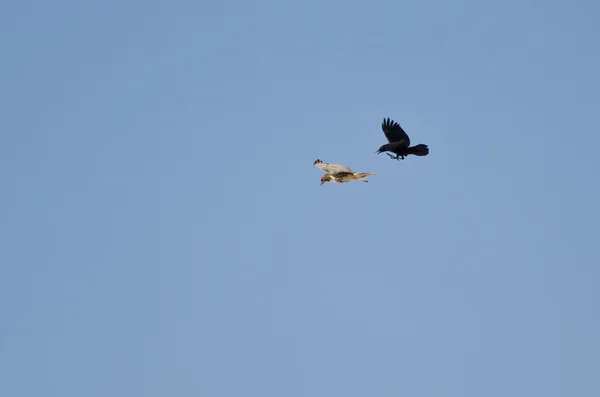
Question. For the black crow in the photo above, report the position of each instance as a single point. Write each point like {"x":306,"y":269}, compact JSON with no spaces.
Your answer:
{"x":399,"y":142}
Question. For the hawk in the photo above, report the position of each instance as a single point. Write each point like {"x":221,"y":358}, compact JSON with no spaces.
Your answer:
{"x":337,"y":173}
{"x":399,"y":142}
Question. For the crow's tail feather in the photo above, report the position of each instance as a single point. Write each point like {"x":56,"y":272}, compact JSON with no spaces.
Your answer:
{"x":418,"y":150}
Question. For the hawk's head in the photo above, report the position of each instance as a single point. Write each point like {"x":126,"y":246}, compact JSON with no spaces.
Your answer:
{"x":326,"y":178}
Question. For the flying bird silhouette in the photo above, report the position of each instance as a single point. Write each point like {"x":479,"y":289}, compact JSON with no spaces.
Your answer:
{"x":337,"y":173}
{"x":399,"y":142}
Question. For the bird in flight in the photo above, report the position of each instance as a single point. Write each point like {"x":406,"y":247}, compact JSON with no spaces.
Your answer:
{"x":399,"y":142}
{"x":337,"y":173}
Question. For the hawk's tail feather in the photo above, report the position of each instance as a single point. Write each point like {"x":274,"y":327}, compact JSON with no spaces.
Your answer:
{"x":418,"y":150}
{"x":363,"y":174}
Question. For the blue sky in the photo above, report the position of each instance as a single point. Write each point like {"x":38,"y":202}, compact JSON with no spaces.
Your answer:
{"x":164,"y":231}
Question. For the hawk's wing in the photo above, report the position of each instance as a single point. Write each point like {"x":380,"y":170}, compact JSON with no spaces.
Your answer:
{"x":394,"y":133}
{"x":331,"y":168}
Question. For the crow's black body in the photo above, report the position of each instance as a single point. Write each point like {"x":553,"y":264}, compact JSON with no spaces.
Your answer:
{"x":399,"y":142}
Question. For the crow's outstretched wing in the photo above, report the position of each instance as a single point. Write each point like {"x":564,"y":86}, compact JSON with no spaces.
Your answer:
{"x":331,"y":168}
{"x":394,"y":133}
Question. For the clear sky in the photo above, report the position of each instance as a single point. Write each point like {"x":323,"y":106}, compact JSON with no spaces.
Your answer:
{"x":163,"y":231}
